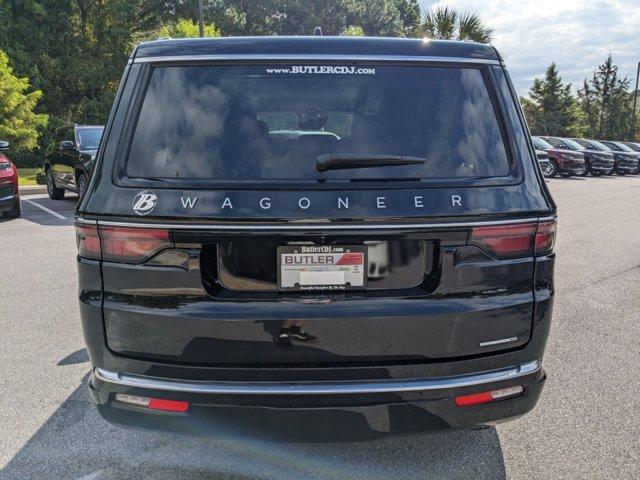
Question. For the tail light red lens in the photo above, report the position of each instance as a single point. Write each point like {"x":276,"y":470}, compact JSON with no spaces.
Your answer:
{"x":504,"y":240}
{"x":132,"y":245}
{"x":88,"y":241}
{"x":515,"y":240}
{"x":120,"y":244}
{"x":168,"y":405}
{"x":545,"y":237}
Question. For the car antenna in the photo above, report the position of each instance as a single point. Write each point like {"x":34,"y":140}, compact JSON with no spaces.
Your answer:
{"x":317,"y":32}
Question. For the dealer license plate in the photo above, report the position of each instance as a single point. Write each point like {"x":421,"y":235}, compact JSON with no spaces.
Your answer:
{"x":322,"y":267}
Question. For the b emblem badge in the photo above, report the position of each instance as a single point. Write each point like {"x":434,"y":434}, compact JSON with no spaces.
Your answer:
{"x":144,"y":202}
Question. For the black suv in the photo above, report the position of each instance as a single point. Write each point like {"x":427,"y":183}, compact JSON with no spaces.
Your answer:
{"x":627,"y":160}
{"x":636,"y":149}
{"x":390,"y":270}
{"x":70,"y":160}
{"x":596,"y":162}
{"x":633,"y":146}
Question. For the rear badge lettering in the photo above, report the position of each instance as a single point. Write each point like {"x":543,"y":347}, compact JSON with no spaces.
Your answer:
{"x":188,"y":202}
{"x":304,"y":203}
{"x":144,"y":202}
{"x":227,"y":203}
{"x":265,"y":203}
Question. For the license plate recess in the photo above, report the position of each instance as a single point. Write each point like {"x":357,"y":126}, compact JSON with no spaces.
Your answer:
{"x":322,"y":267}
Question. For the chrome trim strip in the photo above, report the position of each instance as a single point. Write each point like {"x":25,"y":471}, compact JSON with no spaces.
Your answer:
{"x":84,"y":221}
{"x":498,"y":342}
{"x":327,"y":226}
{"x":312,"y":58}
{"x":316,"y":388}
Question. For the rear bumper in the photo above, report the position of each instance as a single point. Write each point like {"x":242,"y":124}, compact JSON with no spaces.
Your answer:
{"x":317,"y":411}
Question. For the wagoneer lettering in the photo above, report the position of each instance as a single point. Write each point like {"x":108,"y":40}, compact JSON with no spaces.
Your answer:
{"x":188,"y":202}
{"x":300,"y":236}
{"x":303,"y":203}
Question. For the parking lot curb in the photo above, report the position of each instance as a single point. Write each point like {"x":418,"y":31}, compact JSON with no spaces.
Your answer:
{"x":32,"y":189}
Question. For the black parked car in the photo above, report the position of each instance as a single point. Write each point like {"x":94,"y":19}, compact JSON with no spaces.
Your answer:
{"x":636,"y":148}
{"x":633,"y":146}
{"x":594,"y":145}
{"x":596,"y":162}
{"x":626,"y":159}
{"x":396,"y":276}
{"x":69,"y":164}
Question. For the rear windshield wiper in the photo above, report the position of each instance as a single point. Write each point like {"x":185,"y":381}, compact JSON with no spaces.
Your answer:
{"x":336,"y":161}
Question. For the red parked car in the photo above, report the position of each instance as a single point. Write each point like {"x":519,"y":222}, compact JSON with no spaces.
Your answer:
{"x":561,"y":161}
{"x":9,"y":196}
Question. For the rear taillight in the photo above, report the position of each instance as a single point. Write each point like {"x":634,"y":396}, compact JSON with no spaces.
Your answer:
{"x":120,"y":244}
{"x":88,"y":241}
{"x":132,"y":245}
{"x":504,"y":240}
{"x":545,"y":237}
{"x":515,"y":240}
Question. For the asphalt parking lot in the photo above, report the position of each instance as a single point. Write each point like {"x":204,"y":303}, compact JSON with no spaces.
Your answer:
{"x":587,"y":424}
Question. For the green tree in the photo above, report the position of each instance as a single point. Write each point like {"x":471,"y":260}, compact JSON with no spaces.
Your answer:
{"x":74,"y":51}
{"x":300,"y":17}
{"x":353,"y":31}
{"x":607,"y":103}
{"x":187,"y":29}
{"x":445,"y":23}
{"x":409,"y":11}
{"x":19,"y":123}
{"x":551,"y":109}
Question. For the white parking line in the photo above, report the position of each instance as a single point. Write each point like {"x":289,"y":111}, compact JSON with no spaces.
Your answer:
{"x":48,"y":210}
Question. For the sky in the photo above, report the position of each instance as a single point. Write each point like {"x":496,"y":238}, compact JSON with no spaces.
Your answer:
{"x":577,"y":35}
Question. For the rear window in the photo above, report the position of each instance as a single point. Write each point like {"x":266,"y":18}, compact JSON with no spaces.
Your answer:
{"x":89,"y":138}
{"x":273,"y":122}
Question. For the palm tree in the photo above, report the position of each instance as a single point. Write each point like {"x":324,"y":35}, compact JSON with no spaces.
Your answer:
{"x":445,"y":23}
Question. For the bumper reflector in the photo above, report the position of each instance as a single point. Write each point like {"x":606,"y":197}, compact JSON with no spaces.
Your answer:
{"x":153,"y":403}
{"x":490,"y":396}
